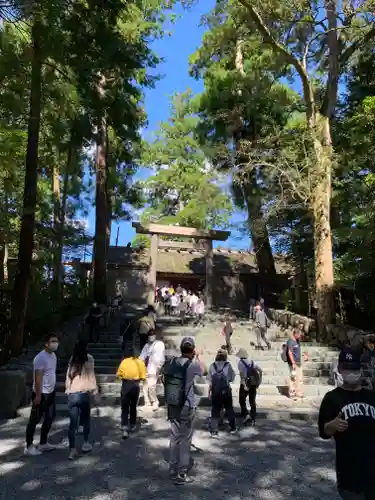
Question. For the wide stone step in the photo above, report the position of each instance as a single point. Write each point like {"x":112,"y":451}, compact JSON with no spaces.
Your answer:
{"x":266,"y":364}
{"x":257,"y":355}
{"x":114,"y":387}
{"x":275,"y":348}
{"x":108,"y":350}
{"x":281,"y":379}
{"x":268,"y":410}
{"x":104,"y":345}
{"x":266,"y":400}
{"x":269,"y":368}
{"x":211,"y":341}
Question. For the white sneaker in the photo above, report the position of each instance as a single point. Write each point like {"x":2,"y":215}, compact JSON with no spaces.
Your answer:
{"x":125,"y":434}
{"x":86,"y":447}
{"x":46,"y":447}
{"x":132,"y":428}
{"x":73,"y":454}
{"x":32,"y":451}
{"x":247,"y":419}
{"x":80,"y":429}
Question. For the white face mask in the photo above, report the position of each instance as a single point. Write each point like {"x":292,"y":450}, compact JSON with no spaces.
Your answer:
{"x":151,"y":339}
{"x":53,"y":346}
{"x":351,"y":378}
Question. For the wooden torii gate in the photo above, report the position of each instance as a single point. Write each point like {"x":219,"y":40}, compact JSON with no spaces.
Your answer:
{"x":157,"y":230}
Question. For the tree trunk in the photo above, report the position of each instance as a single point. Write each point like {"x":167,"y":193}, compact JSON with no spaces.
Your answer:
{"x":26,"y":240}
{"x":4,"y":236}
{"x":101,"y":212}
{"x":300,"y":281}
{"x":108,"y":195}
{"x":3,"y":257}
{"x":59,"y":222}
{"x":321,"y":205}
{"x":252,"y":198}
{"x":57,"y":231}
{"x":258,"y":229}
{"x":108,"y":225}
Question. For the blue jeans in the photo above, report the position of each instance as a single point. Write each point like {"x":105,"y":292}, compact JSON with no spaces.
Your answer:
{"x":79,"y":408}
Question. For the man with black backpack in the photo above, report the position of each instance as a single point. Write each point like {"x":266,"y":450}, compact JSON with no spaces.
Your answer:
{"x":220,"y":376}
{"x":179,"y":374}
{"x":251,"y":378}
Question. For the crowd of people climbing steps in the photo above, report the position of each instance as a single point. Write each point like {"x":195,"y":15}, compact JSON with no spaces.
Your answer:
{"x":347,"y":413}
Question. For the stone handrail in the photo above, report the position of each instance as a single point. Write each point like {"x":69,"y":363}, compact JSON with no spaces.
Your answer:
{"x":287,"y":320}
{"x":339,"y":334}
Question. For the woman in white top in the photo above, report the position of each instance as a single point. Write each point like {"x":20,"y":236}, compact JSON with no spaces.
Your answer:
{"x":153,"y":354}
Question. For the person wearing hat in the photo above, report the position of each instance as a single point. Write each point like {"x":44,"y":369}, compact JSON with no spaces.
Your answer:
{"x":179,"y":374}
{"x":347,"y":414}
{"x":220,"y":376}
{"x":146,"y":324}
{"x":251,"y":378}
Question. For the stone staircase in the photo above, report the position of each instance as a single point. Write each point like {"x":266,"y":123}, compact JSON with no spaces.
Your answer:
{"x":272,"y":392}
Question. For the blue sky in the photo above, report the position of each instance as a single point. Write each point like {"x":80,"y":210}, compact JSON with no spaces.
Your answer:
{"x":175,"y":49}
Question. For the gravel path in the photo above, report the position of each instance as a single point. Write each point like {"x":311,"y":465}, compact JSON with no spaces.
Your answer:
{"x":277,"y":460}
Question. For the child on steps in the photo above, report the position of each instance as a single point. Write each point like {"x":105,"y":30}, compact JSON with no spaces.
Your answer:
{"x":227,"y":332}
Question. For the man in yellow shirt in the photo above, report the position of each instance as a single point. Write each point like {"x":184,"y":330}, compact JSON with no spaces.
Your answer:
{"x":131,"y":371}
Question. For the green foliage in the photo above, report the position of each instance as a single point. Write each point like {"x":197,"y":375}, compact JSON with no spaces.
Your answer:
{"x":353,"y":188}
{"x":141,"y":241}
{"x":95,"y":63}
{"x":185,"y":188}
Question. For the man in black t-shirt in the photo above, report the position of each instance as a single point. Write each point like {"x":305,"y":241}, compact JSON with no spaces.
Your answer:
{"x":93,"y":320}
{"x":348,"y":415}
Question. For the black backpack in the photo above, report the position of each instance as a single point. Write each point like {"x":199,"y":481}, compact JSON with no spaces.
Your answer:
{"x":219,"y":382}
{"x":284,"y":353}
{"x":174,"y":377}
{"x":252,"y":375}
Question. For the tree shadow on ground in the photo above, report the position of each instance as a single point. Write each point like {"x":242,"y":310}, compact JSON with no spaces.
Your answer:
{"x":276,"y":460}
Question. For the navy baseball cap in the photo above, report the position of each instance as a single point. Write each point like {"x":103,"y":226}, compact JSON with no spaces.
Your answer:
{"x":188,"y":341}
{"x":350,"y":359}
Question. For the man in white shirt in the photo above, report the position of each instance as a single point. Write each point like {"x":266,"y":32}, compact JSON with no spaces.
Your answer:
{"x":193,"y":303}
{"x":43,"y":396}
{"x":153,"y":354}
{"x":199,"y":312}
{"x":174,"y":303}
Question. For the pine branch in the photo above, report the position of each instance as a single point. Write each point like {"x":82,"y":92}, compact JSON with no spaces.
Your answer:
{"x":288,"y":56}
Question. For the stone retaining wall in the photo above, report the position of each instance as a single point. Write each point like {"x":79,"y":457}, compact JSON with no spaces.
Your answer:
{"x":339,"y":333}
{"x":348,"y":335}
{"x":16,"y":376}
{"x":288,"y":320}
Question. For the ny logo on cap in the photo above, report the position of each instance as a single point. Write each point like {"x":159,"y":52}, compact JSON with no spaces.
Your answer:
{"x":349,"y":356}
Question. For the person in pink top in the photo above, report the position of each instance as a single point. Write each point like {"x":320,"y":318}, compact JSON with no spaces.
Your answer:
{"x":80,"y":384}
